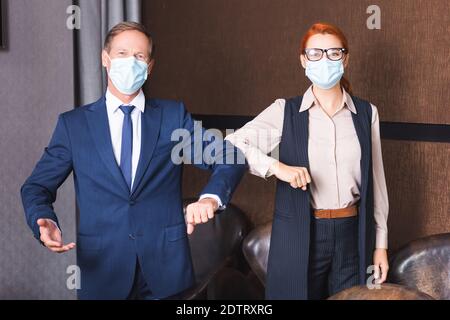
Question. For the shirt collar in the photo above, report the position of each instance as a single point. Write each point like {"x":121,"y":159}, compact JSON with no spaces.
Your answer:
{"x":113,"y":103}
{"x":309,"y":100}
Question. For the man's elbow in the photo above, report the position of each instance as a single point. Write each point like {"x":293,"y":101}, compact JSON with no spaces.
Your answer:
{"x":24,"y":190}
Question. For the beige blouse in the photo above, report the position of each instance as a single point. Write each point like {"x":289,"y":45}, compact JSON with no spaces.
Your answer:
{"x":334,"y":155}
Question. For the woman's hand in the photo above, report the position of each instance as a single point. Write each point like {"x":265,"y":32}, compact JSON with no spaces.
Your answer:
{"x":297,"y":177}
{"x":380,"y":261}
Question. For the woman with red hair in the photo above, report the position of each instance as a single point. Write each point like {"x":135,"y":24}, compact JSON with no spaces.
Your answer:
{"x":329,"y":230}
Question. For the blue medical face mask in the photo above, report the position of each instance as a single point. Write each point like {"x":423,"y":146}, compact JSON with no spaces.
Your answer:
{"x":324,"y":73}
{"x":128,"y":74}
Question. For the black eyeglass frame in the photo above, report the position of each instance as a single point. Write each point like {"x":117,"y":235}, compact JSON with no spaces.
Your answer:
{"x":343,"y":50}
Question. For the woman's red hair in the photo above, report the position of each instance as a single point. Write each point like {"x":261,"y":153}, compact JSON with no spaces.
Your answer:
{"x":326,"y":28}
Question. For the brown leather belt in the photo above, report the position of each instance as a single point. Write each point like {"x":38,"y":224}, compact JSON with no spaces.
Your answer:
{"x":336,"y":213}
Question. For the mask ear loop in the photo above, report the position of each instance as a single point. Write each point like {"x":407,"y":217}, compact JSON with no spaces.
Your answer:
{"x":110,"y":60}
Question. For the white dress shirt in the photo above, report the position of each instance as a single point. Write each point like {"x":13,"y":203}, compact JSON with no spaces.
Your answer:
{"x":115,"y":118}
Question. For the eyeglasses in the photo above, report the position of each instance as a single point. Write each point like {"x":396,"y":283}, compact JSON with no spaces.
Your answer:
{"x":315,"y":54}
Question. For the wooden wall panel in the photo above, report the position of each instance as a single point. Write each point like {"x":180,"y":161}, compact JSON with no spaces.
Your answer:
{"x":418,"y":179}
{"x":236,"y":57}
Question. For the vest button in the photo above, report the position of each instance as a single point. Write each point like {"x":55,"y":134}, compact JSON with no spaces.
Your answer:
{"x":132,"y":202}
{"x":131,"y":237}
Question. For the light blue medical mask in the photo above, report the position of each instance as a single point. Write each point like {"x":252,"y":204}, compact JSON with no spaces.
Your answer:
{"x":128,"y":74}
{"x":324,"y":73}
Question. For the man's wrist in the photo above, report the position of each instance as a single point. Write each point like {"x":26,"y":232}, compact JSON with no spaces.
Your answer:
{"x":218,"y":203}
{"x":214,"y":202}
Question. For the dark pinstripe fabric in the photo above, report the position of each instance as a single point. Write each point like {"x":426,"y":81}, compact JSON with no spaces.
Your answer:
{"x":366,"y":241}
{"x":140,"y":289}
{"x":287,"y":269}
{"x":333,"y":256}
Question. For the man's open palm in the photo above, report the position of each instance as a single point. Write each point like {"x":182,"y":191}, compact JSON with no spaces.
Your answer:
{"x":51,"y":236}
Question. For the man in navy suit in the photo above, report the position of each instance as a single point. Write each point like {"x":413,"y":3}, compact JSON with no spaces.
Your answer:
{"x":132,"y":234}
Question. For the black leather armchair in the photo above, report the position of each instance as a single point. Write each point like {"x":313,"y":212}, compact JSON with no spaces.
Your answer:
{"x":215,"y":248}
{"x":420,"y":270}
{"x":424,"y":264}
{"x":256,"y":250}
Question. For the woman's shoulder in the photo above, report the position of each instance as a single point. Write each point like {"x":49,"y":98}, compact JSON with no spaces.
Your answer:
{"x":364,"y":104}
{"x":291,"y":102}
{"x":273,"y":111}
{"x":367,"y":107}
{"x":359,"y":101}
{"x":278,"y":105}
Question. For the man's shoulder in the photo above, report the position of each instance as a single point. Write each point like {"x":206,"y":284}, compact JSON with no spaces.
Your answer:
{"x":165,"y":103}
{"x":167,"y":106}
{"x":80,"y":109}
{"x":170,"y":109}
{"x":73,"y":114}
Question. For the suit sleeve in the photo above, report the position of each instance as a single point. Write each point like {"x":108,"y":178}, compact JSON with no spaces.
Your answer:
{"x":208,"y":150}
{"x":39,"y":190}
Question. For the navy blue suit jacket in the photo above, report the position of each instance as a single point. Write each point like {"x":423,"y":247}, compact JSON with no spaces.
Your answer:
{"x":115,"y":225}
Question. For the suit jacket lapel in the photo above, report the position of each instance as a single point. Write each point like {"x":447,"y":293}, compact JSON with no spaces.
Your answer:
{"x":98,"y":123}
{"x":151,"y":124}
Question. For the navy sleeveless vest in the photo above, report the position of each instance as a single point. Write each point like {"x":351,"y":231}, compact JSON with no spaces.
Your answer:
{"x":287,"y":269}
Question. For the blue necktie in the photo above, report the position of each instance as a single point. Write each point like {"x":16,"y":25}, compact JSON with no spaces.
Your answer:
{"x":127,"y":144}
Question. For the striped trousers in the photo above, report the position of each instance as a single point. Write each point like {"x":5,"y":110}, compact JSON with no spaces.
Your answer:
{"x":333,"y":258}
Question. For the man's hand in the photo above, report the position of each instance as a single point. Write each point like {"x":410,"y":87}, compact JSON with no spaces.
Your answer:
{"x":200,"y":212}
{"x":297,"y":177}
{"x":51,"y":236}
{"x":380,"y":261}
